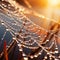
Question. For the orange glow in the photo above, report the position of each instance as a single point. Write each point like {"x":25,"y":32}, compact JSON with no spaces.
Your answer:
{"x":38,"y":3}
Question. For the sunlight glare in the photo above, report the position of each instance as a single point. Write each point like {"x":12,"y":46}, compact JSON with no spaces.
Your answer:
{"x":54,"y":2}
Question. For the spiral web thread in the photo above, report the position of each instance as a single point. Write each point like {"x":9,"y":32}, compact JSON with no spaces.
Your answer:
{"x":28,"y":35}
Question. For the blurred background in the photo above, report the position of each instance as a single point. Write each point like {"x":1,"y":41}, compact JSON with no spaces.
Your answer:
{"x":48,"y":8}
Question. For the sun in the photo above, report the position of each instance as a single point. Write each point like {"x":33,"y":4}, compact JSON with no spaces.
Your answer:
{"x":53,"y":2}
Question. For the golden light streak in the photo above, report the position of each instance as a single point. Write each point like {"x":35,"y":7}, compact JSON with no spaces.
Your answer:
{"x":27,"y":3}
